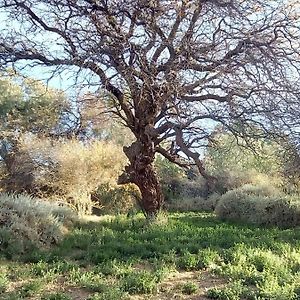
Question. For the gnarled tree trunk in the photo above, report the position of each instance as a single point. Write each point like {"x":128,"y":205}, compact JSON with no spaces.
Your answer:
{"x":141,"y":172}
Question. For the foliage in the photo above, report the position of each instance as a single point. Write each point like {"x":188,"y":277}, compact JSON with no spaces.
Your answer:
{"x":115,"y":199}
{"x":3,"y":281}
{"x":189,"y":288}
{"x":55,"y":296}
{"x":193,"y":203}
{"x":25,"y":221}
{"x":102,"y":259}
{"x":27,"y":104}
{"x":259,"y":205}
{"x":70,"y":170}
{"x":167,"y":171}
{"x":291,"y":167}
{"x":111,"y":293}
{"x":234,"y":291}
{"x":142,"y":282}
{"x":235,"y":164}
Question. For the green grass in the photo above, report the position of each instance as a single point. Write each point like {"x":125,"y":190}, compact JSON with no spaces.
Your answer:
{"x":114,"y":259}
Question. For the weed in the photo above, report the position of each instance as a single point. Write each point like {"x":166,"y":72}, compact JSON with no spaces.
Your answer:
{"x":189,"y":288}
{"x":106,"y":258}
{"x":31,"y":288}
{"x":142,"y":282}
{"x":3,"y":281}
{"x":56,"y":296}
{"x":188,"y":261}
{"x":233,"y":291}
{"x":112,"y":293}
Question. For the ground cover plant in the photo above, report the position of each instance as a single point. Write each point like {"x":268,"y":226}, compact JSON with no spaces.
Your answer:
{"x":191,"y":255}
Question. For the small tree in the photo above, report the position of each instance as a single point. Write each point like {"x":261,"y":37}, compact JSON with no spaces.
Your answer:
{"x":174,"y":68}
{"x":234,"y":163}
{"x":26,"y":105}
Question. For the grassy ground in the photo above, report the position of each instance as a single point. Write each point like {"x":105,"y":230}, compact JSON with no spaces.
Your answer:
{"x":193,"y":256}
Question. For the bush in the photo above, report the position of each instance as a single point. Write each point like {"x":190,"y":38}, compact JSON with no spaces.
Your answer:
{"x":178,"y":188}
{"x":233,"y":291}
{"x":32,"y":221}
{"x":194,"y":204}
{"x":141,"y":282}
{"x":115,"y":199}
{"x":189,"y":288}
{"x":182,"y":194}
{"x":259,"y":205}
{"x":71,"y":170}
{"x":235,"y":164}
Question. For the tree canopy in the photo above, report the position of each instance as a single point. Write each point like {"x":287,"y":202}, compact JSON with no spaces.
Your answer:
{"x":174,"y":69}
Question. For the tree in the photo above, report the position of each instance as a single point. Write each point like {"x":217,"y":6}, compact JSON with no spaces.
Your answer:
{"x":174,"y":69}
{"x":234,"y":163}
{"x":26,"y":106}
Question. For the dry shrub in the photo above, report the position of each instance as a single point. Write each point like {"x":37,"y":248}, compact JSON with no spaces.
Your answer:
{"x":194,"y":203}
{"x":72,"y":170}
{"x":32,"y":221}
{"x":259,"y":205}
{"x":229,"y":180}
{"x":116,"y":199}
{"x":183,"y":194}
{"x":179,"y":188}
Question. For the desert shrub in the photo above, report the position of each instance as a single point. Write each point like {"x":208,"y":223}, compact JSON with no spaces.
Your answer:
{"x":184,"y":188}
{"x":193,"y":204}
{"x":168,"y":170}
{"x":235,"y":164}
{"x":115,"y":199}
{"x":185,"y":204}
{"x":183,"y":194}
{"x":32,"y":221}
{"x":231,"y":179}
{"x":71,"y":170}
{"x":259,"y":205}
{"x":179,"y":190}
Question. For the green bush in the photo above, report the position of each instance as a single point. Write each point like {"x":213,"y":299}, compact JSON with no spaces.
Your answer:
{"x":112,"y":293}
{"x":189,"y":288}
{"x":142,"y":282}
{"x":260,"y":206}
{"x":234,"y":291}
{"x":31,"y":221}
{"x":188,"y":261}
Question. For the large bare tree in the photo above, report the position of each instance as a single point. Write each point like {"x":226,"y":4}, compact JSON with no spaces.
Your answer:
{"x":174,"y":69}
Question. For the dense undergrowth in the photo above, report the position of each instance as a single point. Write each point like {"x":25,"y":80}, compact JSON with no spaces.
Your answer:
{"x":119,"y":257}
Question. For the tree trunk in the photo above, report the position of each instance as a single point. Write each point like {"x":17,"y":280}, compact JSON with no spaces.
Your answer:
{"x":142,"y":173}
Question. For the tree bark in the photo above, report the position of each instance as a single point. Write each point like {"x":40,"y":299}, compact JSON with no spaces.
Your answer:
{"x":141,"y":172}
